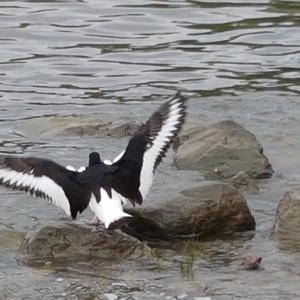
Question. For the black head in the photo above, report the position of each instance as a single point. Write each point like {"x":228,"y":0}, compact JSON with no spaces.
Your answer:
{"x":94,"y":158}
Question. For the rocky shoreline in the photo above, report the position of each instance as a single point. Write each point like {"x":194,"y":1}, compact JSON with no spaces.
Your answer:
{"x":286,"y":228}
{"x":226,"y":154}
{"x":226,"y":160}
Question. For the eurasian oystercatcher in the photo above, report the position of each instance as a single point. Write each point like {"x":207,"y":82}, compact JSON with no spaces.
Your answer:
{"x":103,"y":186}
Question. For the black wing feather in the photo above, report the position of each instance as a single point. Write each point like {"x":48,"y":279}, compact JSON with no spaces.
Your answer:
{"x":76,"y":194}
{"x":127,"y":180}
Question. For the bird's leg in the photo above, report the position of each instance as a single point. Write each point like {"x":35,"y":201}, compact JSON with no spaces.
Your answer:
{"x":94,"y":222}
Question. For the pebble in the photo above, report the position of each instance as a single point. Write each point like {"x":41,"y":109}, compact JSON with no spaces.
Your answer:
{"x":154,"y":286}
{"x":251,"y":262}
{"x":202,"y":298}
{"x":59,"y":279}
{"x":9,"y":145}
{"x":182,"y":296}
{"x":109,"y":296}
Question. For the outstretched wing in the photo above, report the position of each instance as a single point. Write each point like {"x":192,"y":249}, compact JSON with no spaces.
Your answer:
{"x":45,"y":179}
{"x":146,"y":150}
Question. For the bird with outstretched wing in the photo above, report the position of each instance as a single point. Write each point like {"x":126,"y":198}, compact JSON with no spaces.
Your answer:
{"x":103,"y":186}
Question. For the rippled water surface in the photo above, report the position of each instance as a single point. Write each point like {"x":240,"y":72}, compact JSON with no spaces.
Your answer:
{"x":117,"y":59}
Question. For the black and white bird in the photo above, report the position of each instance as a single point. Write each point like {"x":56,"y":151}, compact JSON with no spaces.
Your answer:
{"x":104,"y":186}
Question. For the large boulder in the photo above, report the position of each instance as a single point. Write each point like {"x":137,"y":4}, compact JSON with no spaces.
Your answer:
{"x":221,"y":151}
{"x":56,"y":240}
{"x":212,"y":207}
{"x":286,"y":227}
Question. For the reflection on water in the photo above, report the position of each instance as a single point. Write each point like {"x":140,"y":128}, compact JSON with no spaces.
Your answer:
{"x":236,"y":59}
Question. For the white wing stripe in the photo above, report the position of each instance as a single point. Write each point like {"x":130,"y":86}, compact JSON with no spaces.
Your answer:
{"x":43,"y":184}
{"x":118,"y":156}
{"x":25,"y":180}
{"x":164,"y":136}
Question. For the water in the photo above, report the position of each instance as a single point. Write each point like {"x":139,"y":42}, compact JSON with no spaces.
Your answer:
{"x":116,"y":60}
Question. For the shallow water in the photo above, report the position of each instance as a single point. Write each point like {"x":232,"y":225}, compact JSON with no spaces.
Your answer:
{"x":111,"y":59}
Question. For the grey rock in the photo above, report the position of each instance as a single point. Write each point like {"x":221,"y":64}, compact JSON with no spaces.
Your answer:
{"x":10,"y":239}
{"x":182,"y":296}
{"x":116,"y":130}
{"x":99,"y":129}
{"x":211,"y":207}
{"x":242,"y":182}
{"x":286,"y":227}
{"x":119,"y":285}
{"x":5,"y":294}
{"x":109,"y":296}
{"x":251,"y":262}
{"x":123,"y":129}
{"x":79,"y":125}
{"x":70,"y":239}
{"x":221,"y":151}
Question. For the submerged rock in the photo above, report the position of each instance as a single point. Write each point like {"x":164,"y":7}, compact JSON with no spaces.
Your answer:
{"x":117,"y":130}
{"x":78,"y":126}
{"x":286,"y":227}
{"x":123,"y":129}
{"x":223,"y":150}
{"x":71,"y":239}
{"x":96,"y":128}
{"x":212,"y":207}
{"x":251,"y":262}
{"x":244,"y":183}
{"x":10,"y":239}
{"x":99,"y":129}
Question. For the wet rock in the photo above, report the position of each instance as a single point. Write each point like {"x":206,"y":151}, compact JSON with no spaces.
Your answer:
{"x":71,"y":239}
{"x":223,"y":150}
{"x":243,"y":183}
{"x":251,"y":262}
{"x":116,"y":130}
{"x":212,"y":207}
{"x":286,"y":227}
{"x":120,"y":286}
{"x":99,"y":129}
{"x":109,"y":296}
{"x":122,"y":130}
{"x":182,"y":296}
{"x":78,"y":126}
{"x":10,"y":239}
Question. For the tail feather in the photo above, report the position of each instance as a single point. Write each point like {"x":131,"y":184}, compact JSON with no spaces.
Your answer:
{"x":109,"y":210}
